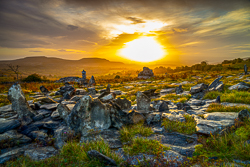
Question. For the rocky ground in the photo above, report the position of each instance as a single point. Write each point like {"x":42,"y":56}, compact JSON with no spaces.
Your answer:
{"x":40,"y":128}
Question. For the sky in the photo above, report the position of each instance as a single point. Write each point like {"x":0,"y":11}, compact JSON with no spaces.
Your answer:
{"x":189,"y":31}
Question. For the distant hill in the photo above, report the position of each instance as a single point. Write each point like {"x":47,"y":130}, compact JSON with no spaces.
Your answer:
{"x":60,"y":67}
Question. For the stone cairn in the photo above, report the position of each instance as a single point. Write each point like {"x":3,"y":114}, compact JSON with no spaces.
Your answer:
{"x":146,"y":73}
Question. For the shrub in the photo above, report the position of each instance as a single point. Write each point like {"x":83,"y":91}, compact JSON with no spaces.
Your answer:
{"x":117,"y":77}
{"x":33,"y":78}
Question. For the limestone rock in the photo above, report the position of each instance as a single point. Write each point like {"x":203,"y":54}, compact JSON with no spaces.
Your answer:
{"x":198,"y":88}
{"x":146,"y":73}
{"x":153,"y":118}
{"x":105,"y":92}
{"x":216,"y":85}
{"x":41,"y":153}
{"x":51,"y":106}
{"x":44,"y":90}
{"x":92,"y":91}
{"x":174,"y":117}
{"x":167,"y":91}
{"x":67,"y":91}
{"x":62,"y":134}
{"x":11,"y":155}
{"x":143,"y":101}
{"x":92,"y":81}
{"x":123,"y":103}
{"x":63,"y":111}
{"x":108,"y":97}
{"x":55,"y":115}
{"x":244,"y":114}
{"x":12,"y":138}
{"x":89,"y":114}
{"x":245,"y":69}
{"x":6,"y":125}
{"x":102,"y":158}
{"x":178,"y":90}
{"x":150,"y":92}
{"x":80,"y":92}
{"x":240,"y":86}
{"x":218,"y":116}
{"x":207,"y":126}
{"x":19,"y":102}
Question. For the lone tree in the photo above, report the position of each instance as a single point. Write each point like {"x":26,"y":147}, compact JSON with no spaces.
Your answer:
{"x":13,"y":68}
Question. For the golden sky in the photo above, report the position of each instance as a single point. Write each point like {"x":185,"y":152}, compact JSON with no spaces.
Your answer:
{"x":188,"y":31}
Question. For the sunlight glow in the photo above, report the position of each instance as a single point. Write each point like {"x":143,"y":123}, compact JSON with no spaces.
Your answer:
{"x":147,"y":27}
{"x":145,"y":49}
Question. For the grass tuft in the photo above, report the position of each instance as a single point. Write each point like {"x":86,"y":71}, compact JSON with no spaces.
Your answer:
{"x":215,"y":107}
{"x":230,"y":96}
{"x":187,"y":127}
{"x":147,"y":146}
{"x":127,"y":133}
{"x":72,"y":154}
{"x":229,"y":146}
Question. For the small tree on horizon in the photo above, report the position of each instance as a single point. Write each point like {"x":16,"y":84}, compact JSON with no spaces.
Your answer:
{"x":13,"y":68}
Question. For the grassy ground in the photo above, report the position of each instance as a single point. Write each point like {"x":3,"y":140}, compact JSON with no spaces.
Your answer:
{"x":220,"y":108}
{"x":4,"y":100}
{"x":147,"y":146}
{"x":226,"y":147}
{"x":72,"y":154}
{"x":128,"y":133}
{"x":187,"y":127}
{"x":230,"y":96}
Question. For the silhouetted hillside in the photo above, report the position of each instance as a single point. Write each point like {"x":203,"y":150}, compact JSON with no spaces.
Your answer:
{"x":61,"y":67}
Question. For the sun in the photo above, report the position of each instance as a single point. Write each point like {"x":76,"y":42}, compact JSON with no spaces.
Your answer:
{"x":144,"y":49}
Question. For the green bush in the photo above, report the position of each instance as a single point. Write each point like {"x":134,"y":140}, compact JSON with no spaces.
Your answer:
{"x":33,"y":78}
{"x":117,"y":77}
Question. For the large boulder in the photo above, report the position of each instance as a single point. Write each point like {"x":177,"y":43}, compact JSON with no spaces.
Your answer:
{"x":123,"y":103}
{"x":198,"y":88}
{"x":240,"y":86}
{"x":19,"y":102}
{"x":143,"y":101}
{"x":216,"y":85}
{"x":87,"y":114}
{"x":146,"y":73}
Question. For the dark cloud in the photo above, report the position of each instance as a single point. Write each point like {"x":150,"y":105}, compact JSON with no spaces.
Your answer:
{"x":35,"y":51}
{"x":216,"y":4}
{"x":63,"y":50}
{"x":72,"y":27}
{"x":135,"y":20}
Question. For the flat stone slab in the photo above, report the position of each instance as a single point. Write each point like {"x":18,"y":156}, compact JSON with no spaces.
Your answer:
{"x":6,"y":125}
{"x":210,"y":126}
{"x":218,"y":116}
{"x":52,"y":106}
{"x":41,"y":153}
{"x":12,"y":138}
{"x":5,"y":109}
{"x":175,"y":139}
